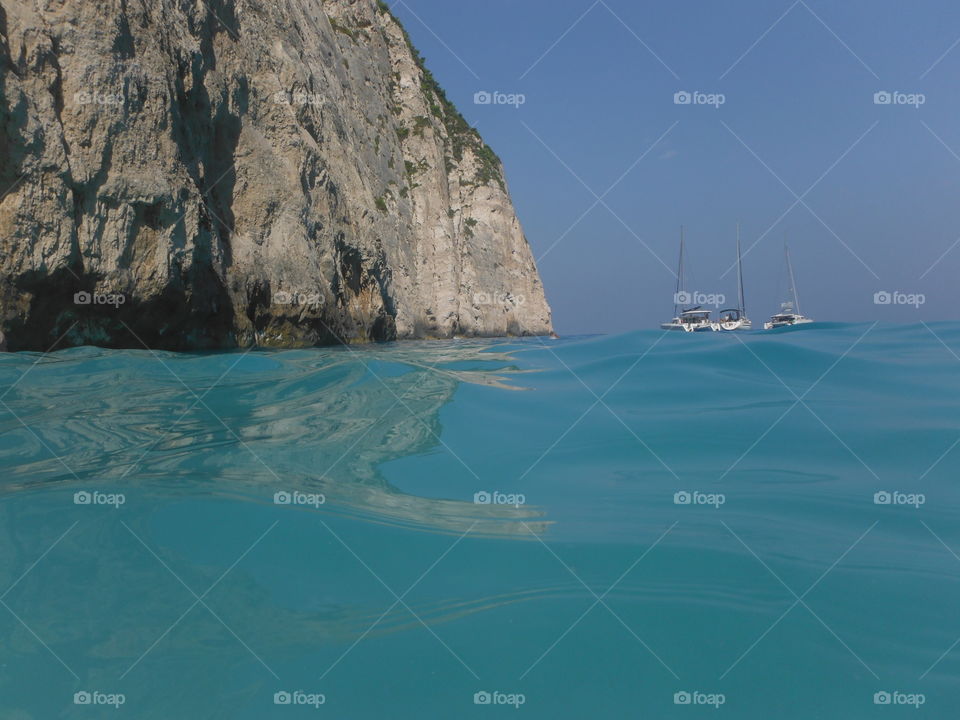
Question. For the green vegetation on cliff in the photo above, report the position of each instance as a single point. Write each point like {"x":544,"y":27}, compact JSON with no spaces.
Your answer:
{"x":460,"y":134}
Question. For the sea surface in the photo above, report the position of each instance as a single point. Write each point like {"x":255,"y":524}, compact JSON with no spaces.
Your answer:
{"x":650,"y":525}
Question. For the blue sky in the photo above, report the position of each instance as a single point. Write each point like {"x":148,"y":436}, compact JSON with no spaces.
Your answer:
{"x":878,"y":184}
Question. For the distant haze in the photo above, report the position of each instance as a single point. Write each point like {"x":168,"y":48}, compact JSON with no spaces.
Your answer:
{"x":588,"y":88}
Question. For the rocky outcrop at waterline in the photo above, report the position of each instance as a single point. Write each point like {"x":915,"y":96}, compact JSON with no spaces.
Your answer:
{"x":189,"y":175}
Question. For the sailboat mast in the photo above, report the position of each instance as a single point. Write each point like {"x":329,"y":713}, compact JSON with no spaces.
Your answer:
{"x":676,"y":295}
{"x":743,"y":308}
{"x":793,"y":282}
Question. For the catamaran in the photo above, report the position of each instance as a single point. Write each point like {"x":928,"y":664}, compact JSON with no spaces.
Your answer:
{"x":735,"y":318}
{"x":790,"y":310}
{"x":691,"y":319}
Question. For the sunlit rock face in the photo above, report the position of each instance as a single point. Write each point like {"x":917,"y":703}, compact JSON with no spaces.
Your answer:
{"x":190,"y":175}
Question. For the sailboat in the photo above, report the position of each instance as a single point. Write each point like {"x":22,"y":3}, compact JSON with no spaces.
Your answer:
{"x":735,"y":318}
{"x":790,"y":310}
{"x":691,"y":319}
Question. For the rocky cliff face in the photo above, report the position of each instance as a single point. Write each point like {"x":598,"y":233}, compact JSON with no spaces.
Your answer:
{"x":193,"y":174}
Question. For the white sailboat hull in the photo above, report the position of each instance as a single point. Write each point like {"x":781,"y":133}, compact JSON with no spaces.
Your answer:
{"x":733,"y":325}
{"x":686,"y":327}
{"x":796,"y":320}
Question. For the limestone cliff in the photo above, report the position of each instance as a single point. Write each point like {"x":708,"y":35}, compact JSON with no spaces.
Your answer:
{"x":193,"y":174}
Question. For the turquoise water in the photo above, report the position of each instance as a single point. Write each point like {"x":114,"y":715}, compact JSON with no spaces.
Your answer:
{"x":183,"y":589}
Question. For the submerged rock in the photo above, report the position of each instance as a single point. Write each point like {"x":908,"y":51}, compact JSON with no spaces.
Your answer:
{"x":273,"y":172}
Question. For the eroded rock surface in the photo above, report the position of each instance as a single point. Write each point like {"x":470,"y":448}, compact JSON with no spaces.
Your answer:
{"x":187,"y":175}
